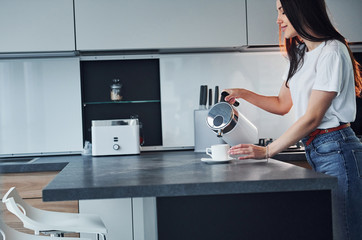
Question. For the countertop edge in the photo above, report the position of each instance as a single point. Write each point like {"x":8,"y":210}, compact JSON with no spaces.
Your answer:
{"x":191,"y":189}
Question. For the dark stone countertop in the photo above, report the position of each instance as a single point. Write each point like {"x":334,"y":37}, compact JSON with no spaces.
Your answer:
{"x":174,"y":173}
{"x":57,"y":163}
{"x":40,"y":164}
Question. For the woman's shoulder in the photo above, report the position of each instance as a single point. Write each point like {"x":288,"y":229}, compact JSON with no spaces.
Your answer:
{"x":334,"y":46}
{"x":332,"y":51}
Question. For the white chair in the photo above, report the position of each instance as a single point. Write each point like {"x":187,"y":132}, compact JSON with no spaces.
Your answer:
{"x":8,"y":233}
{"x":52,"y":223}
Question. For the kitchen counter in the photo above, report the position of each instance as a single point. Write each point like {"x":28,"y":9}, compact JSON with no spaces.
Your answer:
{"x":239,"y":196}
{"x":176,"y":173}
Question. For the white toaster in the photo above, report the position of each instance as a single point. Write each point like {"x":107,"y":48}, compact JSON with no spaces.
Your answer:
{"x":115,"y":137}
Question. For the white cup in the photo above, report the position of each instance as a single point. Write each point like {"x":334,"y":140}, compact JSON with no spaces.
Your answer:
{"x":218,"y":152}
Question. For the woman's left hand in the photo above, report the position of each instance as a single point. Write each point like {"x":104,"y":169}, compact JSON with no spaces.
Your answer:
{"x":249,"y":150}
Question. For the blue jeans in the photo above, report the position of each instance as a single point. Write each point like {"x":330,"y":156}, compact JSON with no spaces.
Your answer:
{"x":339,"y":154}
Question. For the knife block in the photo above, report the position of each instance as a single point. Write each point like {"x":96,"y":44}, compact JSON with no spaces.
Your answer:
{"x":204,"y":136}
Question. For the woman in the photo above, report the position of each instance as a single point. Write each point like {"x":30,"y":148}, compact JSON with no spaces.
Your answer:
{"x":321,"y":82}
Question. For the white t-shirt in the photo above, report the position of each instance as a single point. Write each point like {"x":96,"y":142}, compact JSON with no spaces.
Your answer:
{"x":328,"y":68}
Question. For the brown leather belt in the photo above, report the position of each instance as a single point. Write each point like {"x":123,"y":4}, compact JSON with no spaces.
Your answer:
{"x":323,"y":131}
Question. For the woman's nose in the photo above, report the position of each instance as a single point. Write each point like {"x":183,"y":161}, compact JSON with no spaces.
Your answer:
{"x":279,"y":21}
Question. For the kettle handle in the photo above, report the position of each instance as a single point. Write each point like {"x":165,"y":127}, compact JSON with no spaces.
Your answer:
{"x":222,"y":99}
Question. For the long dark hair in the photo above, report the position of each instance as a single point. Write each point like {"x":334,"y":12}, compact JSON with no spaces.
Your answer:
{"x":310,"y":16}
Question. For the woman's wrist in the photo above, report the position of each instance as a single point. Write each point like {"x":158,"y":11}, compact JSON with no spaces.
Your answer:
{"x":241,"y":92}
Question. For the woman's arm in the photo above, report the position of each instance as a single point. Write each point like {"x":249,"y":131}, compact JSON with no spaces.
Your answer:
{"x":318,"y":104}
{"x":280,"y":104}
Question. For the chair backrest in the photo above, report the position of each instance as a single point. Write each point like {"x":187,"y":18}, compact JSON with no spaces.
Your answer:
{"x":16,"y":205}
{"x":40,"y":220}
{"x":8,"y":233}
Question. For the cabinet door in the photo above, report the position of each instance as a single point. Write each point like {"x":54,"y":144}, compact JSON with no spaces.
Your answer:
{"x":36,"y":26}
{"x":262,"y":26}
{"x":144,"y":218}
{"x":41,"y":110}
{"x":346,"y":16}
{"x":116,"y":214}
{"x":159,"y":24}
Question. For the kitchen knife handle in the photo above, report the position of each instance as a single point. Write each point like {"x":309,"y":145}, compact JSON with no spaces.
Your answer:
{"x":210,"y":97}
{"x":222,"y":99}
{"x":204,"y":100}
{"x":201,"y":95}
{"x":216,"y":100}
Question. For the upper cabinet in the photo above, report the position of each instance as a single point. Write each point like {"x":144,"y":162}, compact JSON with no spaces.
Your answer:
{"x":262,"y":17}
{"x":93,"y":25}
{"x":159,"y":24}
{"x":262,"y":26}
{"x":40,"y":105}
{"x":36,"y":26}
{"x":346,"y":17}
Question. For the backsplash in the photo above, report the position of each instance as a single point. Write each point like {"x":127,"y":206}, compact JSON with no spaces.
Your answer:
{"x":171,"y":105}
{"x":182,"y":75}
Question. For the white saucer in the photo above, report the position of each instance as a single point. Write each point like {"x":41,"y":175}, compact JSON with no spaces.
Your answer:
{"x":212,"y":161}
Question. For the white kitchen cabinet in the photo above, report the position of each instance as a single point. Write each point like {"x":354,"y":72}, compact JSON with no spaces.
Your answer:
{"x":40,"y":106}
{"x":116,"y":215}
{"x":36,"y":26}
{"x":144,"y":218}
{"x":347,"y":17}
{"x":262,"y":17}
{"x":262,"y":26}
{"x":125,"y":218}
{"x":159,"y":24}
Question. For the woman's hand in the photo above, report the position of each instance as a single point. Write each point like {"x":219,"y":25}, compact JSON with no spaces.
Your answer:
{"x":249,"y":150}
{"x":234,"y":93}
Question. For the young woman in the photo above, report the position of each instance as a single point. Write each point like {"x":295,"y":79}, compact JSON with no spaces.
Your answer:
{"x":321,"y":82}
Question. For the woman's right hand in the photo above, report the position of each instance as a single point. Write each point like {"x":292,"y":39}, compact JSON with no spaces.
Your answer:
{"x":234,"y":93}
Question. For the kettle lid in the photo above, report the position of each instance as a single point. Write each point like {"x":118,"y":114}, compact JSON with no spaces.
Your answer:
{"x":220,"y":115}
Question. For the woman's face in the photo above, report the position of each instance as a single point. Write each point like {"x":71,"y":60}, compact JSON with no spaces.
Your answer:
{"x":285,"y":26}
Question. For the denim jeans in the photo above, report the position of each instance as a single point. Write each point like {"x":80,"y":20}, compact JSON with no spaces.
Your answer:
{"x":339,"y":154}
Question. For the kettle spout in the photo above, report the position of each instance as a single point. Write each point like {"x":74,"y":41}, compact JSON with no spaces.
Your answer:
{"x":219,"y":133}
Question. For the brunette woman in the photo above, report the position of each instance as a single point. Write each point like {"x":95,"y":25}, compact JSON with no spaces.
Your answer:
{"x":321,"y":83}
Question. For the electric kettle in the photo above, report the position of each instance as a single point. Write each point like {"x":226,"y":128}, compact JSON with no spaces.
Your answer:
{"x":227,"y":122}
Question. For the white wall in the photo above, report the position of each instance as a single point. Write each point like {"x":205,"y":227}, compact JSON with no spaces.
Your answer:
{"x":182,"y":75}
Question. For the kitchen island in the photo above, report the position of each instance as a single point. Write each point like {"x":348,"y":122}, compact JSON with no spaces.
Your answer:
{"x":253,"y":199}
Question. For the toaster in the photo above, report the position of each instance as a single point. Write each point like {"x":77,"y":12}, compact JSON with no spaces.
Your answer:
{"x":115,"y":137}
